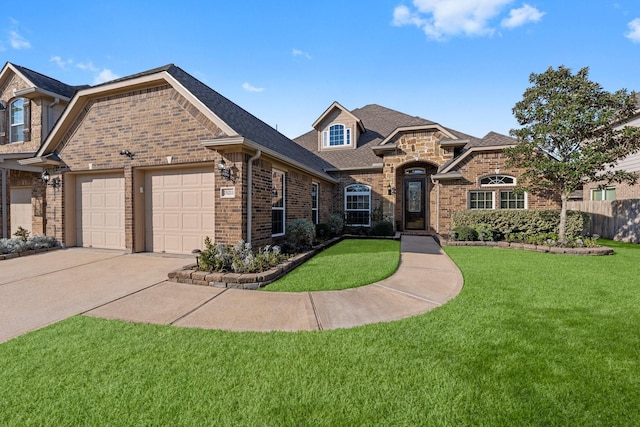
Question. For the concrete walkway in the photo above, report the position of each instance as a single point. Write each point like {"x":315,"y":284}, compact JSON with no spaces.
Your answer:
{"x":425,"y":279}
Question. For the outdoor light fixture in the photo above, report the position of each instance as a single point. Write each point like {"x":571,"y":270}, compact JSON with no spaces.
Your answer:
{"x":391,"y":190}
{"x":46,"y":178}
{"x":274,"y":192}
{"x":197,"y":252}
{"x":127,"y":153}
{"x":225,"y":171}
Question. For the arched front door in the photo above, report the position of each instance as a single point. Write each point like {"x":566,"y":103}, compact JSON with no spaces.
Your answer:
{"x":415,"y":199}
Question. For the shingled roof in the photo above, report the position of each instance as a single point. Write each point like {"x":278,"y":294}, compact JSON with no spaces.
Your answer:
{"x":47,"y":83}
{"x":380,"y":122}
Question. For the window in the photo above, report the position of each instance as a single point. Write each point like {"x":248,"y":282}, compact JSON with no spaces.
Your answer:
{"x":278,"y":203}
{"x":481,"y":200}
{"x":415,"y":171}
{"x":598,"y":194}
{"x":357,"y":204}
{"x":337,"y":136}
{"x":512,"y":200}
{"x":16,"y":120}
{"x":496,"y":180}
{"x":314,"y":203}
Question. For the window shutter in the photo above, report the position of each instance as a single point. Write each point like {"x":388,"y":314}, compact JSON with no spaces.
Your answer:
{"x":27,"y":120}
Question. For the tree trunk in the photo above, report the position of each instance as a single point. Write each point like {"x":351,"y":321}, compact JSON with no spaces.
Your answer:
{"x":562,"y":229}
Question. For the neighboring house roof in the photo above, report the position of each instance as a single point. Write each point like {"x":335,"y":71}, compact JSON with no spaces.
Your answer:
{"x":44,"y":82}
{"x":235,"y":123}
{"x":380,"y":124}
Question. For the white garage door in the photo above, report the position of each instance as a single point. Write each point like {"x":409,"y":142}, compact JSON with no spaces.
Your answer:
{"x":100,"y":211}
{"x":20,"y":208}
{"x":180,"y":211}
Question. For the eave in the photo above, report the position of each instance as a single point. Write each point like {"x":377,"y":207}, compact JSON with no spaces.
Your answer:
{"x":340,"y":107}
{"x":374,"y":166}
{"x":447,"y":176}
{"x":36,"y":92}
{"x":399,"y":130}
{"x":471,"y":151}
{"x":237,"y":143}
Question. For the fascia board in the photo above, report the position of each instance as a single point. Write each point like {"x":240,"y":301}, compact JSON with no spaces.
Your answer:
{"x":412,"y":128}
{"x":31,"y":91}
{"x":337,"y":105}
{"x":82,"y":96}
{"x":474,"y":150}
{"x":239,"y":141}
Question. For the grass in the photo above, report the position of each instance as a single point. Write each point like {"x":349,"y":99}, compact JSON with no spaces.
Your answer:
{"x":347,"y":264}
{"x":533,"y":339}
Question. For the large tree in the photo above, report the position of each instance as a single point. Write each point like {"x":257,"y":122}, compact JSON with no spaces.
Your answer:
{"x":573,"y":132}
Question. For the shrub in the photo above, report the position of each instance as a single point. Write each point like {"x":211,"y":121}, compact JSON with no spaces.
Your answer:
{"x":301,"y":232}
{"x":465,"y":233}
{"x":22,"y":234}
{"x":18,"y":245}
{"x":322,"y":231}
{"x":383,"y":228}
{"x":336,"y":224}
{"x":239,"y":258}
{"x":485,"y":232}
{"x":528,"y":222}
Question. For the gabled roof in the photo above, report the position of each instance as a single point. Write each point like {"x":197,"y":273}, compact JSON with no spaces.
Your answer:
{"x":235,"y":123}
{"x":40,"y":82}
{"x":381,"y":124}
{"x":490,"y":142}
{"x":334,"y":106}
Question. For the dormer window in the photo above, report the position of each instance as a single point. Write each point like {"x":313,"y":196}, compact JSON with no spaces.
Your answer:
{"x":338,"y":135}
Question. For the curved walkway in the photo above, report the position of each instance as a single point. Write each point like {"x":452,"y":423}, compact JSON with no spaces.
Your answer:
{"x":425,"y":279}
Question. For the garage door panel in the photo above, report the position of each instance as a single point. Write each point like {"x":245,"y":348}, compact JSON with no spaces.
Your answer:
{"x":100,"y":211}
{"x":178,"y":202}
{"x":21,"y":215}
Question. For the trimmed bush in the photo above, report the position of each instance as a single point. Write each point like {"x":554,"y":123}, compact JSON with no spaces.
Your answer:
{"x":336,"y":224}
{"x":300,"y":233}
{"x":18,"y":245}
{"x":323,"y":231}
{"x":239,"y":258}
{"x":383,"y":228}
{"x":485,"y":232}
{"x":465,"y":234}
{"x":527,"y":222}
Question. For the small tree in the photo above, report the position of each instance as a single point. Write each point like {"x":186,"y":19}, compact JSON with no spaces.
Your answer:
{"x":572,"y":133}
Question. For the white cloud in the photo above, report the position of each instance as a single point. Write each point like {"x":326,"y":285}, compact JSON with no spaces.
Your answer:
{"x":104,"y":75}
{"x":88,"y":66}
{"x":440,"y":19}
{"x":60,"y":62}
{"x":249,"y":88}
{"x":298,"y":52}
{"x":17,"y":41}
{"x":521,"y":16}
{"x":634,"y":31}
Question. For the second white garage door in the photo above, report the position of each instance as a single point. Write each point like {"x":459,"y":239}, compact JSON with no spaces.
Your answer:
{"x":100,"y":211}
{"x":179,"y":209}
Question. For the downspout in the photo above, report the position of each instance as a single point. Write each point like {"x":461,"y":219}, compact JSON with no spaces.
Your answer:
{"x":56,"y":101}
{"x":4,"y":202}
{"x":250,"y":193}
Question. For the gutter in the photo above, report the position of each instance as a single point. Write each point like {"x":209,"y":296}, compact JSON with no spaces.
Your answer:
{"x":250,"y":193}
{"x":3,"y":177}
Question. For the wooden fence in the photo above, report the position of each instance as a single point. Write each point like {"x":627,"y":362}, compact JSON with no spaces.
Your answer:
{"x":612,"y":219}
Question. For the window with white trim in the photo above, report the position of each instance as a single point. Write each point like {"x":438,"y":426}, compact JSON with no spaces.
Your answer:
{"x":16,"y":120}
{"x":497,"y":180}
{"x":314,"y":202}
{"x":357,"y":205}
{"x":338,"y":135}
{"x":278,"y":203}
{"x":598,"y":194}
{"x":509,"y":199}
{"x":481,"y":199}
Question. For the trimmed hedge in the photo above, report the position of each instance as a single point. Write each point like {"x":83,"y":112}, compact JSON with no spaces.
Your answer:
{"x":527,"y":222}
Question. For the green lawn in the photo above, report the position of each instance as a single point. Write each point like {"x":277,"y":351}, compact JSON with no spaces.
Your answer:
{"x":347,"y":264}
{"x":533,"y":339}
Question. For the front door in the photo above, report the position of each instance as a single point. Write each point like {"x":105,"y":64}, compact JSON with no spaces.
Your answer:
{"x":415,"y":212}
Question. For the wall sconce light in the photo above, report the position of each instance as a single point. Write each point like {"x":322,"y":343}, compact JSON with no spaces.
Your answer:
{"x":46,"y":178}
{"x":391,"y":190}
{"x":274,"y":192}
{"x":127,"y":153}
{"x":225,"y":171}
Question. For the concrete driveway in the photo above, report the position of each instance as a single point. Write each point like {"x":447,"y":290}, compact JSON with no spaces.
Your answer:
{"x":42,"y":289}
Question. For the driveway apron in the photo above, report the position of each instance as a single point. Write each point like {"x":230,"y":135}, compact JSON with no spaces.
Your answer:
{"x":41,"y":289}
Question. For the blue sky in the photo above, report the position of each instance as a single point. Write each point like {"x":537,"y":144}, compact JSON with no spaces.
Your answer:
{"x":461,"y":63}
